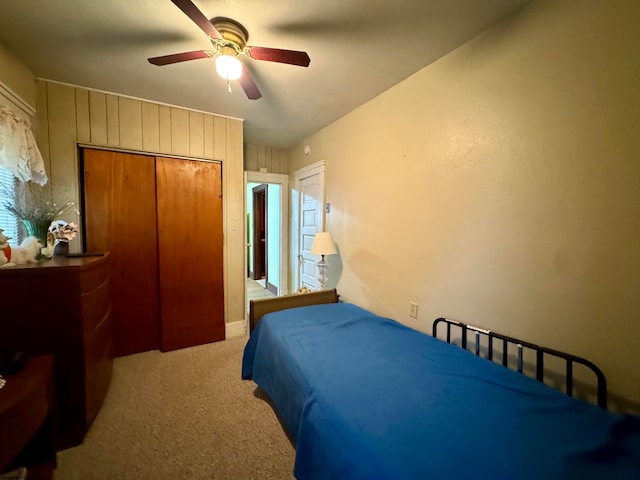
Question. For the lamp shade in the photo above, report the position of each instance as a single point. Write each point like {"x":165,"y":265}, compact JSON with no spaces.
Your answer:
{"x":228,"y":67}
{"x":323,"y":244}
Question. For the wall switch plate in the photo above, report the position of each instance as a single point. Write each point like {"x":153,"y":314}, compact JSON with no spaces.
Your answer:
{"x":413,"y":309}
{"x":327,"y":207}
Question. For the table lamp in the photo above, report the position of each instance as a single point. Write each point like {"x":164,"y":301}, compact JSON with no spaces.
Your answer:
{"x":323,"y":245}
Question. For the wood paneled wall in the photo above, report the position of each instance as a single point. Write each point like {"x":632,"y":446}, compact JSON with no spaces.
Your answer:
{"x":273,"y":159}
{"x":69,"y":115}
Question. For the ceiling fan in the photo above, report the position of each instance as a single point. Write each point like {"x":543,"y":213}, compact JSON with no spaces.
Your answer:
{"x":229,"y":40}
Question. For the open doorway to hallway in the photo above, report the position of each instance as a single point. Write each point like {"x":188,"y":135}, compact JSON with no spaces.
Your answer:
{"x":267,"y":251}
{"x":259,"y":240}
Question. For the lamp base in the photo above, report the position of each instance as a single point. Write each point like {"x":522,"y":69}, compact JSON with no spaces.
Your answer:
{"x":322,"y":271}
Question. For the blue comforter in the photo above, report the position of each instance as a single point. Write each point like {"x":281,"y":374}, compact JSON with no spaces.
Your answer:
{"x":365,"y":397}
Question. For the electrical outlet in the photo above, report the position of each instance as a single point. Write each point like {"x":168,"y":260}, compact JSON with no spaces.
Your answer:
{"x":413,"y":309}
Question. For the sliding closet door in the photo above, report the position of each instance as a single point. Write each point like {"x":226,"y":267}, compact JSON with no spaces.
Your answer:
{"x":190,"y":240}
{"x":120,"y":217}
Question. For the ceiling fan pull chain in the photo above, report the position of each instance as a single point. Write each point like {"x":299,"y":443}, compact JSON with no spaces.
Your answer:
{"x":228,"y":85}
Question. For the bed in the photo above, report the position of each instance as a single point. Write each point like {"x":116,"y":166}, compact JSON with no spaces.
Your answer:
{"x":365,"y":397}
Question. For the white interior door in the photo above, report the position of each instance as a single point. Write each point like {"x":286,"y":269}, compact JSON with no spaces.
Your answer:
{"x":310,"y":216}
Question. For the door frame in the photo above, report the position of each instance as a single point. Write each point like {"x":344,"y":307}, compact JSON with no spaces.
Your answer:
{"x":318,"y":168}
{"x":283,"y":182}
{"x":260,"y":219}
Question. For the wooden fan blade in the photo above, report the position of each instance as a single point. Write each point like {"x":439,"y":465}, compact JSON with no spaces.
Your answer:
{"x":197,"y":17}
{"x":292,"y":57}
{"x":248,"y":85}
{"x":180,"y":57}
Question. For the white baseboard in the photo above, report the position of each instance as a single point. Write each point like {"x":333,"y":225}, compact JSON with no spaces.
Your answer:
{"x":235,"y":329}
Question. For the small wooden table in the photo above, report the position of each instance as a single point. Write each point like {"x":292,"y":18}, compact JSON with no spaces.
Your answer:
{"x":26,"y":419}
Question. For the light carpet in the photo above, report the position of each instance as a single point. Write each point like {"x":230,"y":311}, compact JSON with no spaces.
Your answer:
{"x":184,"y":414}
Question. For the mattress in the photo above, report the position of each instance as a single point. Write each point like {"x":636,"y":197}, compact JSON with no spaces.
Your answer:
{"x":366,"y":397}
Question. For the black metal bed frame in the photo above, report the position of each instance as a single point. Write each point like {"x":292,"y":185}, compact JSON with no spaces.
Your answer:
{"x":521,"y":345}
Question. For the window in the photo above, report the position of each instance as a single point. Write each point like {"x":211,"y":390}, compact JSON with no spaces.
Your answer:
{"x":8,"y":222}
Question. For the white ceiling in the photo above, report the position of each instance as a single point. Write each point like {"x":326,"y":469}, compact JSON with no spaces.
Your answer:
{"x":358,"y":49}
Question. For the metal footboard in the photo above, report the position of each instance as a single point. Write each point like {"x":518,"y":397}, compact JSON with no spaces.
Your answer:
{"x":540,"y":354}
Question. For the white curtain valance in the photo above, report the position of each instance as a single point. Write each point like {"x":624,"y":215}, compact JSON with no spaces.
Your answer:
{"x":19,"y":151}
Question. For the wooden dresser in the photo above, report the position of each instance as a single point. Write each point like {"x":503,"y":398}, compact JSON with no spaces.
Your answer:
{"x":62,"y":307}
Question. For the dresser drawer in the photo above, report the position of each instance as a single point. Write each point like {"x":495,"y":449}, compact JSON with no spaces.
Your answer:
{"x":98,"y":347}
{"x":92,"y":278}
{"x":95,"y":304}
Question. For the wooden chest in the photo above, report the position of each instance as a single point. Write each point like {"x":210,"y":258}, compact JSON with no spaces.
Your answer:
{"x":62,"y":307}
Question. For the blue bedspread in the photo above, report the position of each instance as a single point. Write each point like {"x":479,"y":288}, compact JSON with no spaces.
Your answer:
{"x":367,"y":398}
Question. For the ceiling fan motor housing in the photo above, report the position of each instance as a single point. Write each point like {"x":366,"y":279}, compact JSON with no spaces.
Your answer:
{"x":234,"y":34}
{"x":229,"y":39}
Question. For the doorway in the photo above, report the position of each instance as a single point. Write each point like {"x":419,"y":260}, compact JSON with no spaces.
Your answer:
{"x":260,"y":238}
{"x":276,"y":226}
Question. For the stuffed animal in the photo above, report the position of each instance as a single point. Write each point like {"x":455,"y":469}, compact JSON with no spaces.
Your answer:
{"x":27,"y":252}
{"x":5,"y":248}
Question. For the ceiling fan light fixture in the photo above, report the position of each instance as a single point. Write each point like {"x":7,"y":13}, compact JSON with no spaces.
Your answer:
{"x":229,"y":39}
{"x":228,"y":67}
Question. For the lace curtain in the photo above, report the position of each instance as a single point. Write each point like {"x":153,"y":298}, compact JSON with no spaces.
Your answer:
{"x":19,"y":151}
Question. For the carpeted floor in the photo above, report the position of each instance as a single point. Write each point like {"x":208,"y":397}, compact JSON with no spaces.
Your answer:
{"x":184,"y":414}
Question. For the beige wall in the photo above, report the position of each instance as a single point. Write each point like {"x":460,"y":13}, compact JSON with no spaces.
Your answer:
{"x":499,"y":186}
{"x":17,"y":77}
{"x":70,"y":115}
